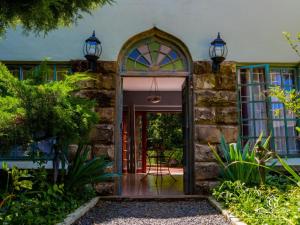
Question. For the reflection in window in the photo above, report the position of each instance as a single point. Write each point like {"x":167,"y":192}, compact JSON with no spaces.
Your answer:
{"x":260,"y":113}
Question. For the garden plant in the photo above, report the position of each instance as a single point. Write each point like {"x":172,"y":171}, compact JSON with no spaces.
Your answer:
{"x":34,"y":110}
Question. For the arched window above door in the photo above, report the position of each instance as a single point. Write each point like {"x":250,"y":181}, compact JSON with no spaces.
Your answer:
{"x":153,"y":55}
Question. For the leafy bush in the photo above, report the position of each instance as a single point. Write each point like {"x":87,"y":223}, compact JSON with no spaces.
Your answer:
{"x":267,"y":204}
{"x":165,"y":130}
{"x":245,"y":164}
{"x":30,"y":199}
{"x":37,"y":108}
{"x":83,"y":171}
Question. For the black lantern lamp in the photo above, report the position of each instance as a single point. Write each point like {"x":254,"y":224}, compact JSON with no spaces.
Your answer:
{"x":92,"y":51}
{"x":217,"y":52}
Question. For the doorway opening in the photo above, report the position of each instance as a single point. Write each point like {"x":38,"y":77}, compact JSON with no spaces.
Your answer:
{"x":151,"y":162}
{"x":152,"y":137}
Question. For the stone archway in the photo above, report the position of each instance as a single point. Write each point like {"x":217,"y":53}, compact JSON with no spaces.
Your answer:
{"x":164,"y":46}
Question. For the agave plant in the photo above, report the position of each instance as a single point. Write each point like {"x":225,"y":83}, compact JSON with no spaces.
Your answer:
{"x":83,"y":171}
{"x":243,"y":163}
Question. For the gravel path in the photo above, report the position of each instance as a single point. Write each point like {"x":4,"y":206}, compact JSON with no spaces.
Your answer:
{"x":187,"y":212}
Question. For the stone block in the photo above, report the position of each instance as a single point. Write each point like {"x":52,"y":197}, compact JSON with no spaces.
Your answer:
{"x":207,"y":134}
{"x":106,"y":67}
{"x":88,"y":84}
{"x":206,"y":171}
{"x":102,"y":134}
{"x":226,"y":115}
{"x":226,"y":82}
{"x":106,"y":115}
{"x":230,"y":133}
{"x":103,"y":150}
{"x":228,"y":67}
{"x":215,"y":98}
{"x":106,"y":82}
{"x":104,"y":188}
{"x":204,"y":81}
{"x":212,"y":133}
{"x":204,"y":114}
{"x":202,"y":67}
{"x":205,"y":187}
{"x":203,"y":153}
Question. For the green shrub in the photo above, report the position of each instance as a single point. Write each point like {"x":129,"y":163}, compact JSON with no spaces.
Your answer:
{"x":83,"y":171}
{"x":30,"y":199}
{"x":37,"y":108}
{"x":245,"y":164}
{"x":266,"y":204}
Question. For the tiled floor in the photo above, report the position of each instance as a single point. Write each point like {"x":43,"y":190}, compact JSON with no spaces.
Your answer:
{"x":152,"y":185}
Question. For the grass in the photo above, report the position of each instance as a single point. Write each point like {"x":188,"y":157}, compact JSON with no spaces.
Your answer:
{"x":276,"y":203}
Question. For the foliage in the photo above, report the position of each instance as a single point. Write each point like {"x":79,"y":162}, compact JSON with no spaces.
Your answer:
{"x":44,"y":15}
{"x":290,"y":170}
{"x":36,"y":108}
{"x":292,"y":42}
{"x":165,"y":129}
{"x":175,"y":156}
{"x":40,"y":202}
{"x":83,"y":171}
{"x":291,"y":99}
{"x":269,"y":204}
{"x":243,"y":163}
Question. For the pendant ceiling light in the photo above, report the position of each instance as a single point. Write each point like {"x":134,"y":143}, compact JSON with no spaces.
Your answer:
{"x":154,"y":96}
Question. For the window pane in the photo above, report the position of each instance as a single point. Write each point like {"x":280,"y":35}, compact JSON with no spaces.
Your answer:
{"x":258,"y":92}
{"x":279,"y":128}
{"x":258,"y":76}
{"x":260,"y":111}
{"x":291,"y":128}
{"x":280,"y":145}
{"x":277,"y":110}
{"x":255,"y":108}
{"x":294,"y":145}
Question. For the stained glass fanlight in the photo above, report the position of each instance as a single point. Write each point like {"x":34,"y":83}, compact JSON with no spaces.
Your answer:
{"x":152,"y":55}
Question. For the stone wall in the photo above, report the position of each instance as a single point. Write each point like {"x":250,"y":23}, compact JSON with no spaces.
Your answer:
{"x":101,"y":88}
{"x":215,"y":113}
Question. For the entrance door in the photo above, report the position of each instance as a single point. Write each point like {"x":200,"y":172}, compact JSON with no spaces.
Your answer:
{"x":188,"y":153}
{"x":134,"y":141}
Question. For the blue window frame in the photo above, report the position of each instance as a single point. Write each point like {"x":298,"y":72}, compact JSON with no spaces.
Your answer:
{"x":260,"y":112}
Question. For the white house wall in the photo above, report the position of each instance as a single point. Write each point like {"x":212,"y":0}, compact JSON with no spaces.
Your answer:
{"x":252,"y":29}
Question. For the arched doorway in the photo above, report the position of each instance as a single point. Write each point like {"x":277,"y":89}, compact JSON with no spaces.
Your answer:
{"x":150,"y":56}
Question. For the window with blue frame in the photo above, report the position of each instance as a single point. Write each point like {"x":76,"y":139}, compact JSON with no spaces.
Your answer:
{"x":56,"y":71}
{"x":262,"y":113}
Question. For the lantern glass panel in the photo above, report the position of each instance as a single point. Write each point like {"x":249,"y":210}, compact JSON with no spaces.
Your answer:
{"x":92,"y":48}
{"x":219,"y":50}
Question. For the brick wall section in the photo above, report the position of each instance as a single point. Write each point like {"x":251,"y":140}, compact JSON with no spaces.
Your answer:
{"x":215,"y":113}
{"x":101,"y":88}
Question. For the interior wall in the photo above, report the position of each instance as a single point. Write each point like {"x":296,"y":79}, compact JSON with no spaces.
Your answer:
{"x":170,"y":100}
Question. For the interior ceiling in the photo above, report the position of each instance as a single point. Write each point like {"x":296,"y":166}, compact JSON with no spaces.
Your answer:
{"x":144,"y":83}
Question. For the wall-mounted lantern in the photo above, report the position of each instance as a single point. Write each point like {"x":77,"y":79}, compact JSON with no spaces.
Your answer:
{"x":217,"y":52}
{"x":92,"y":51}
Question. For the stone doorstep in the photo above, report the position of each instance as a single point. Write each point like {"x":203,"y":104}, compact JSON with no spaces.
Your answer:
{"x":74,"y":216}
{"x":228,"y":215}
{"x":151,"y":198}
{"x":78,"y":213}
